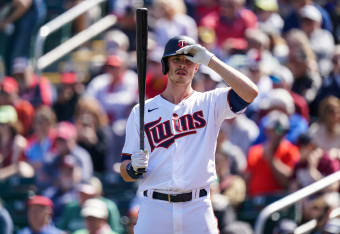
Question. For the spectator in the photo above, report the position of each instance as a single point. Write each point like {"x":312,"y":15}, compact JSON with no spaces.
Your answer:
{"x":116,"y":89}
{"x":258,"y":49}
{"x":69,"y":91}
{"x":319,"y":206}
{"x":314,"y":164}
{"x":282,"y":78}
{"x":302,"y":63}
{"x":206,"y":79}
{"x":39,"y":216}
{"x":12,"y":146}
{"x":321,"y":40}
{"x":285,"y":226}
{"x":95,"y":213}
{"x":94,"y":134}
{"x":228,"y":170}
{"x":241,"y":132}
{"x":71,"y":219}
{"x":63,"y":190}
{"x":330,"y":85}
{"x":125,"y":12}
{"x":326,"y":131}
{"x":41,"y":143}
{"x":257,"y":73}
{"x":268,"y":17}
{"x":171,"y":20}
{"x":292,"y":20}
{"x":156,"y":81}
{"x":230,"y":24}
{"x":6,"y":223}
{"x":203,"y":8}
{"x":280,"y":99}
{"x":66,"y":145}
{"x":270,"y":164}
{"x":9,"y":95}
{"x":116,"y":40}
{"x":20,"y":25}
{"x":37,"y":90}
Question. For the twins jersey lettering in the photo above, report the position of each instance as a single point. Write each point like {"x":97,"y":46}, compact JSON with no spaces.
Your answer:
{"x":181,"y":140}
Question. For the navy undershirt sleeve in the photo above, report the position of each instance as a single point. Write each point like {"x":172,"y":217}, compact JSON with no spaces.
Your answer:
{"x":236,"y":103}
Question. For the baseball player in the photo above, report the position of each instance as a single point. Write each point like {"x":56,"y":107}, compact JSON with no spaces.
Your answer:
{"x":181,"y":128}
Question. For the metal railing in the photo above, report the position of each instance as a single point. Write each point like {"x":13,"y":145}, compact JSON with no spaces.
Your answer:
{"x":293,"y":198}
{"x":41,"y":61}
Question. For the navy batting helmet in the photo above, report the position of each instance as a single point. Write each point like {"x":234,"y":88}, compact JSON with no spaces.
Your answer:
{"x":171,"y":47}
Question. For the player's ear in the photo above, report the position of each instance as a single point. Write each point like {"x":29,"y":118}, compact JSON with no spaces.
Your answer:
{"x":196,"y":68}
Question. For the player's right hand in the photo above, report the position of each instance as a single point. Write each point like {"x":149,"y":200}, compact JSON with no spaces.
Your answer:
{"x":196,"y":53}
{"x":140,"y":160}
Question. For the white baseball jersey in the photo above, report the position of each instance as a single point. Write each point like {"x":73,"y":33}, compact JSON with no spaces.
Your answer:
{"x":181,"y":140}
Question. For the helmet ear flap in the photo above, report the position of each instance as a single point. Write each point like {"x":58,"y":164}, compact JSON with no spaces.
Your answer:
{"x":165,"y":65}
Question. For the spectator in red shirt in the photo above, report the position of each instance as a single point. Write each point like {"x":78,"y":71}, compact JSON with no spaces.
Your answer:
{"x":156,"y":81}
{"x":270,"y":164}
{"x":205,"y":7}
{"x":230,"y":24}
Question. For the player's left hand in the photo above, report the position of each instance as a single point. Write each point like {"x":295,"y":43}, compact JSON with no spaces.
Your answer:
{"x":140,"y":160}
{"x":196,"y":53}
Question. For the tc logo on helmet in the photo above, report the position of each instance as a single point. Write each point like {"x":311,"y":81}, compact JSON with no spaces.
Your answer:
{"x":182,"y":43}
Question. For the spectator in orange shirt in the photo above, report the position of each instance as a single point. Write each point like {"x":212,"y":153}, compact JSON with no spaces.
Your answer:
{"x":270,"y":164}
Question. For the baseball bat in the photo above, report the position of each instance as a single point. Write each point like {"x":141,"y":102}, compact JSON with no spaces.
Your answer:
{"x":141,"y":49}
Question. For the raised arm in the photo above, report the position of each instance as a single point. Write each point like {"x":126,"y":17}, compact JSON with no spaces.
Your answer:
{"x":240,"y":83}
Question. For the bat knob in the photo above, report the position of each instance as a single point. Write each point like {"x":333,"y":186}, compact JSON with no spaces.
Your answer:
{"x":141,"y":170}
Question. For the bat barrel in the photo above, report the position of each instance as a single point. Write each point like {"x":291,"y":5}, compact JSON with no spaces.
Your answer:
{"x":141,"y":49}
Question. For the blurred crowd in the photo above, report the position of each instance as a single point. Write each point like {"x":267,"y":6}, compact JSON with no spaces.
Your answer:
{"x":62,"y":131}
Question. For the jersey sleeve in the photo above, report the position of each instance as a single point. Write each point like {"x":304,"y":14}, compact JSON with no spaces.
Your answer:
{"x":221,"y":105}
{"x":131,"y":135}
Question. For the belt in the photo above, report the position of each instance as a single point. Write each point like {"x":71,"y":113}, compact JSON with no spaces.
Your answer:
{"x":183,"y":197}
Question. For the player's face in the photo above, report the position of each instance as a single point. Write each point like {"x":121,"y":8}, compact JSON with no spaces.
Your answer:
{"x":181,"y":69}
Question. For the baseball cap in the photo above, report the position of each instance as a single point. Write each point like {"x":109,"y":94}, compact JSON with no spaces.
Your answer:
{"x":278,"y":99}
{"x":40,"y":200}
{"x":207,"y":35}
{"x":8,"y":114}
{"x":68,"y":78}
{"x":66,"y":130}
{"x":95,"y":207}
{"x":276,"y":120}
{"x":87,"y":188}
{"x":211,"y":73}
{"x":19,"y":65}
{"x":9,"y":85}
{"x":311,"y":12}
{"x":282,"y":74}
{"x":332,"y":226}
{"x":267,"y":5}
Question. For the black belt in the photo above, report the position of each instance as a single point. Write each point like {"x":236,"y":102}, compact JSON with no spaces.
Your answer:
{"x":183,"y":197}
